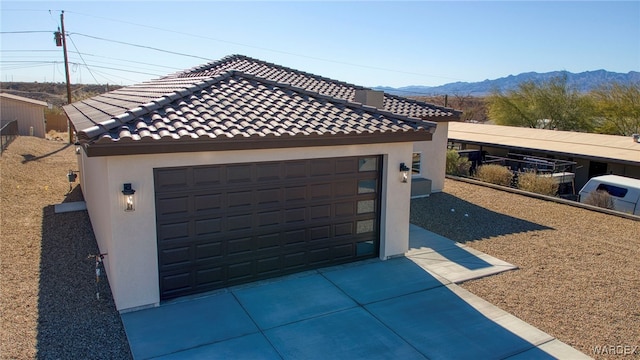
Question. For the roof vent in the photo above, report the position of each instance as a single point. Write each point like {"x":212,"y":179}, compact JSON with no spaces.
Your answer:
{"x":636,"y":138}
{"x":370,"y":97}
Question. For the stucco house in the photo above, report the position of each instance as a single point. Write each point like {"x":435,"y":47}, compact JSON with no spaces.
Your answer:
{"x":240,"y":170}
{"x":28,"y":112}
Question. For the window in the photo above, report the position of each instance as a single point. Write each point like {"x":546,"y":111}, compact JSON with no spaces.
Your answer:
{"x":368,"y":164}
{"x":415,"y":163}
{"x":613,"y":190}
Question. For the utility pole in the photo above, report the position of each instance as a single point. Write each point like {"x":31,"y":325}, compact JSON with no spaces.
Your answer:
{"x":66,"y":67}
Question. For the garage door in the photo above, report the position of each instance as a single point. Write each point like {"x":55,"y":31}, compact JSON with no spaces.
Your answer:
{"x":223,"y":225}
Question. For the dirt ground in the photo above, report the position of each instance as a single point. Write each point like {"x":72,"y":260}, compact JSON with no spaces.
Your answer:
{"x":579,"y":270}
{"x":48,"y":303}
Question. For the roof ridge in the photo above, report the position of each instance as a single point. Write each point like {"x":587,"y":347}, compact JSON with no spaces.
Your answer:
{"x":229,"y":58}
{"x":351,"y":104}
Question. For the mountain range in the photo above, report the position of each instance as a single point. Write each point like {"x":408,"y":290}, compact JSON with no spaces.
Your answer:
{"x":584,"y":82}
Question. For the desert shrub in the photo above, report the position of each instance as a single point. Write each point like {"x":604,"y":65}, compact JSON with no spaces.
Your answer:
{"x":457,"y":165}
{"x":494,"y":174}
{"x":599,"y":198}
{"x":530,"y":181}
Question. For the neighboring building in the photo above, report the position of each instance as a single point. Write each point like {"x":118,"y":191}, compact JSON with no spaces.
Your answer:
{"x":595,"y":154}
{"x":28,"y":112}
{"x":245,"y":170}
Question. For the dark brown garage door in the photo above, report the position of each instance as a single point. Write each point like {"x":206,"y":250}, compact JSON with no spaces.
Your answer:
{"x":227,"y":224}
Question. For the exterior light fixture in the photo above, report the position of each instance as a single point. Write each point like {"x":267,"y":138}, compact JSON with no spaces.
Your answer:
{"x":405,"y":172}
{"x":127,"y":192}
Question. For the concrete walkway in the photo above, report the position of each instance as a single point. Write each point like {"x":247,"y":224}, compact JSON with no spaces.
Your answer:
{"x":407,"y":307}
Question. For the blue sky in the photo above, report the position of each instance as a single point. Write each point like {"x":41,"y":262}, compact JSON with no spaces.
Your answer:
{"x":370,"y":43}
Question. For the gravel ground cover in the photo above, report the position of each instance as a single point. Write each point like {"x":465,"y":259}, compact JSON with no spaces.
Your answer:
{"x":579,"y":275}
{"x":48,"y":306}
{"x":579,"y":270}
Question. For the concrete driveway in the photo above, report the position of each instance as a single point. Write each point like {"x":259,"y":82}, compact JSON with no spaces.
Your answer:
{"x":400,"y":308}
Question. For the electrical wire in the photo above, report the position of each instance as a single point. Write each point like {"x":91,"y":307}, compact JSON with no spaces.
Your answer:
{"x":81,"y":58}
{"x":141,"y":46}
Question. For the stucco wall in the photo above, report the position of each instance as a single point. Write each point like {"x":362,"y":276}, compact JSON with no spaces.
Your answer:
{"x":434,"y":156}
{"x":130,"y":237}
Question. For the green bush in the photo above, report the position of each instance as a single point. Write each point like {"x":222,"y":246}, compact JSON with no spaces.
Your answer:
{"x":599,"y":198}
{"x":457,"y":165}
{"x":530,"y":181}
{"x":494,"y":174}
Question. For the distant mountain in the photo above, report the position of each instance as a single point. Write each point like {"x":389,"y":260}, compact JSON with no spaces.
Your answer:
{"x":584,"y":81}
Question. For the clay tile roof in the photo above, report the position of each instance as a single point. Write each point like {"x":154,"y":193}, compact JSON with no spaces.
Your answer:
{"x":319,"y":84}
{"x":227,"y":108}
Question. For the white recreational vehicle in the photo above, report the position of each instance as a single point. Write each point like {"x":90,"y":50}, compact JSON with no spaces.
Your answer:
{"x":624,"y":191}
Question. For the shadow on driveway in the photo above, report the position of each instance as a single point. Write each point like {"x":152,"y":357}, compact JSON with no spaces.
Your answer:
{"x":479,"y":223}
{"x":72,"y":323}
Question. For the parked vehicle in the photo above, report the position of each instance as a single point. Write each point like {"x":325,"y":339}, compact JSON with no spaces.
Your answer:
{"x":624,"y":191}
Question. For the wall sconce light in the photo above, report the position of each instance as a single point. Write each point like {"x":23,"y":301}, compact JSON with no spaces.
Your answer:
{"x":128,"y":192}
{"x":405,"y":172}
{"x":77,"y":145}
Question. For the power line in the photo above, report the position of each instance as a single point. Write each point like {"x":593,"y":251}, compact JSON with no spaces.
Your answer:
{"x":26,"y":32}
{"x":142,"y":46}
{"x":81,"y":58}
{"x":264,"y":48}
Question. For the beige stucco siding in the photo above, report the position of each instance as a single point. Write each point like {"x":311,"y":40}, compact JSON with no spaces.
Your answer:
{"x":130,"y":237}
{"x":29,"y":115}
{"x":434,"y":157}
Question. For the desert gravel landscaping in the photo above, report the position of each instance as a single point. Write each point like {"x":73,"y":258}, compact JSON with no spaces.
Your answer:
{"x":579,"y":270}
{"x":578,"y":276}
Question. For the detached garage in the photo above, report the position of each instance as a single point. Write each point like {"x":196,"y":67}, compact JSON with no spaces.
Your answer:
{"x":214,"y":177}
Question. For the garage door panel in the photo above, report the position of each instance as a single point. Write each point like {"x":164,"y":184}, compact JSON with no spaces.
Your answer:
{"x":322,"y":167}
{"x":342,"y":252}
{"x":345,"y":209}
{"x":238,"y":174}
{"x":319,"y":256}
{"x":207,"y":202}
{"x":267,"y":266}
{"x":295,"y":193}
{"x":294,"y":237}
{"x":239,"y":246}
{"x":169,"y":179}
{"x":345,"y":188}
{"x":208,"y":226}
{"x":239,"y":198}
{"x":344,"y":229}
{"x":174,"y":231}
{"x":321,"y":233}
{"x":295,"y":169}
{"x":206,"y":278}
{"x":239,"y":271}
{"x":222,"y":225}
{"x":295,"y":215}
{"x":207,"y":176}
{"x":268,"y":241}
{"x":177,"y":283}
{"x":269,"y":218}
{"x":176,"y":256}
{"x":209,"y":251}
{"x":320,"y":191}
{"x":346,"y":166}
{"x":173,"y":206}
{"x":239,"y":222}
{"x":268,"y":172}
{"x":294,"y":261}
{"x":320,"y":212}
{"x":269,"y":196}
